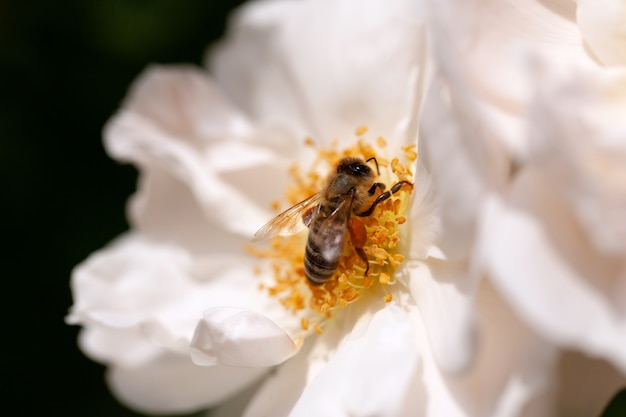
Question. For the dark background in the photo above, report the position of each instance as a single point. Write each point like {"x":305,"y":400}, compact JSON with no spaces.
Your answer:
{"x":64,"y":69}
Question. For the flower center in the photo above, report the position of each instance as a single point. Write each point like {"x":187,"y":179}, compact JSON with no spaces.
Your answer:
{"x":318,"y":303}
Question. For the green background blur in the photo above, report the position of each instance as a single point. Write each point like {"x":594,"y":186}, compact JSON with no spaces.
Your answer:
{"x":64,"y":69}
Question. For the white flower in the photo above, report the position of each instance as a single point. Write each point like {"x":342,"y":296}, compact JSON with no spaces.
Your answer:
{"x":214,"y":150}
{"x":213,"y":153}
{"x":528,"y":103}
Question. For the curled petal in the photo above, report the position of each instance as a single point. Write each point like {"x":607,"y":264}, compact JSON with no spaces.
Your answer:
{"x":134,"y":139}
{"x":110,"y":287}
{"x":138,"y":292}
{"x":187,"y":154}
{"x":238,"y":337}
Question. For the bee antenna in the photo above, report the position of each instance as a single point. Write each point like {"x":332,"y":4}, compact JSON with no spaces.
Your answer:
{"x":373,"y":158}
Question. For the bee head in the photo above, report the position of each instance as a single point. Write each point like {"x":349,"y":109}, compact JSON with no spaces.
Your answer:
{"x":353,"y":166}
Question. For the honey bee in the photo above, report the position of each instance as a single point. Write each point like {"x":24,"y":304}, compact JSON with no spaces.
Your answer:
{"x":331,"y":215}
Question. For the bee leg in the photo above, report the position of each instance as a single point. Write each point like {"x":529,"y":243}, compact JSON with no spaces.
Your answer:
{"x":363,"y":256}
{"x":384,"y":196}
{"x":376,"y":186}
{"x":358,"y":236}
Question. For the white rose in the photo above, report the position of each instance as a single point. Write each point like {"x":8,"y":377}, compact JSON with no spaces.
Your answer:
{"x":429,"y":336}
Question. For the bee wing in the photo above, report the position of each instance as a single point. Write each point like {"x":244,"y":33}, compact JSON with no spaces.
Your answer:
{"x":290,"y":221}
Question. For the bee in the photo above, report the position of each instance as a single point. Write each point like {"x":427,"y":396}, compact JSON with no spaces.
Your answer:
{"x":332,"y":214}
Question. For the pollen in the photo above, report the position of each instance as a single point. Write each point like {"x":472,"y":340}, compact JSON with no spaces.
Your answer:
{"x":361,"y":130}
{"x":410,"y":152}
{"x":283,"y":258}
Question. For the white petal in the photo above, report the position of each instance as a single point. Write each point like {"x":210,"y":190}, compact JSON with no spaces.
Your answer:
{"x":282,"y":388}
{"x":175,"y":157}
{"x":237,"y":337}
{"x":310,"y":65}
{"x":158,"y":292}
{"x":127,"y":282}
{"x":286,"y":386}
{"x":603,"y":24}
{"x":124,"y":347}
{"x":167,"y":209}
{"x":186,"y":105}
{"x":131,"y":138}
{"x":578,"y":130}
{"x":450,"y":154}
{"x":444,"y":292}
{"x":369,"y":375}
{"x":183,"y":103}
{"x":509,"y":377}
{"x":173,"y":384}
{"x":538,"y":257}
{"x":482,"y":47}
{"x":472,"y":120}
{"x":235,"y":405}
{"x":424,"y":224}
{"x":478,"y":42}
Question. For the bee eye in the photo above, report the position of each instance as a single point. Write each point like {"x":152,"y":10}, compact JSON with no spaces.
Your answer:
{"x":353,"y":166}
{"x":359,"y":169}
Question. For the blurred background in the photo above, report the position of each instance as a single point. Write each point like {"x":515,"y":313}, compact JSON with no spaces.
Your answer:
{"x":64,"y":69}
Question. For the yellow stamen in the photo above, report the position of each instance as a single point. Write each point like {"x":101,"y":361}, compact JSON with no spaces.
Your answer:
{"x":361,"y":130}
{"x":410,"y":152}
{"x":285,"y":254}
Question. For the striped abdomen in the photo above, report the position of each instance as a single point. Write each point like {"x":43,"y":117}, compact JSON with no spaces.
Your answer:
{"x":324,"y":248}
